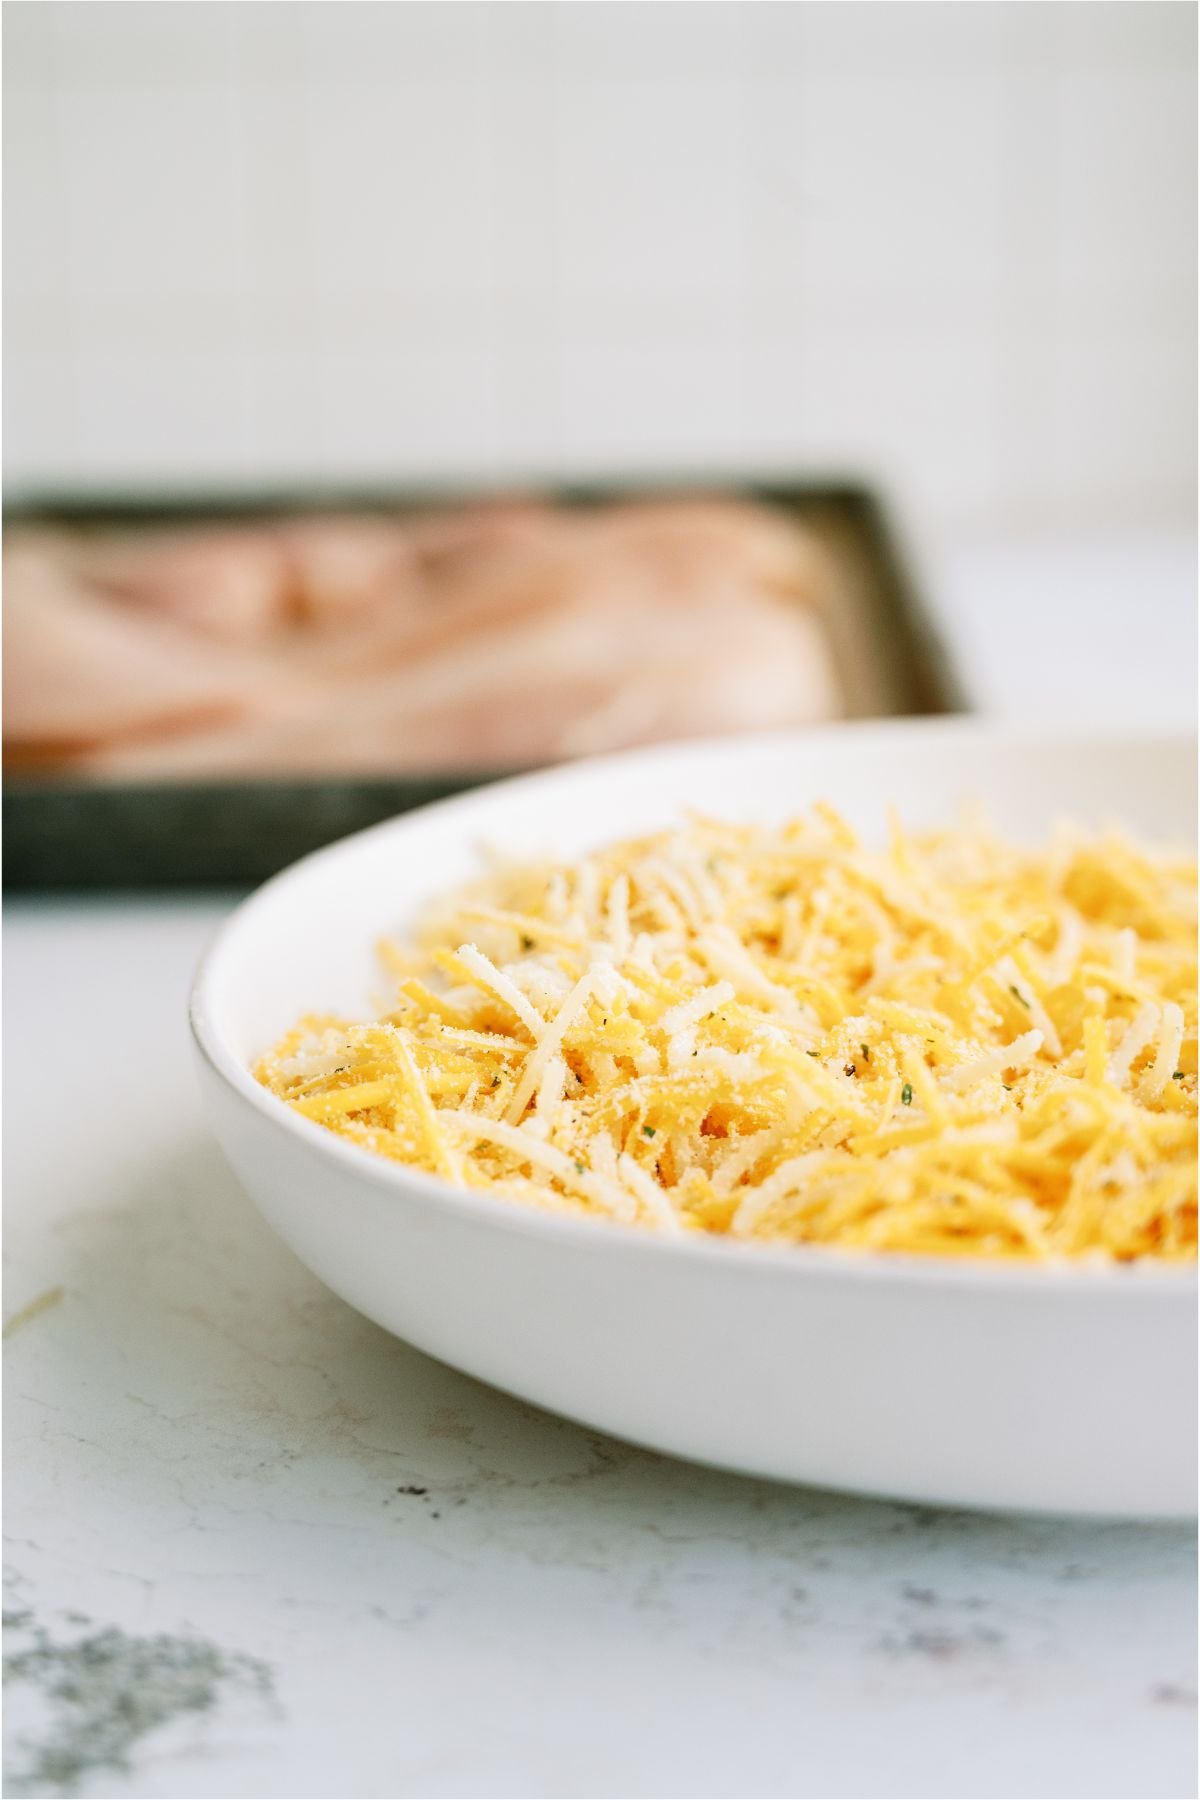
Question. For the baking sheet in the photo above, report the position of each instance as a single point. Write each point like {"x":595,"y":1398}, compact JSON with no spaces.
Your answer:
{"x":62,"y":832}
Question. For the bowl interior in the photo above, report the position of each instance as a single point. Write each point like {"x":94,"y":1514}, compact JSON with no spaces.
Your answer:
{"x":305,"y":942}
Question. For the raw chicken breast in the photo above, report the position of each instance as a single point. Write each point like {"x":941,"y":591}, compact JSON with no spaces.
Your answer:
{"x":493,"y":636}
{"x":230,"y":583}
{"x":79,"y":671}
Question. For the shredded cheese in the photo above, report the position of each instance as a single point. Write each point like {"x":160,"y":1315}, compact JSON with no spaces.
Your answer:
{"x":950,"y":1046}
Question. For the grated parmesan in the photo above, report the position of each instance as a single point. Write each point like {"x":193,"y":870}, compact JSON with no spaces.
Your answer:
{"x":950,"y":1046}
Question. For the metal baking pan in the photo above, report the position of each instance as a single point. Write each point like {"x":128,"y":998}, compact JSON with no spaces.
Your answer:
{"x":63,"y":832}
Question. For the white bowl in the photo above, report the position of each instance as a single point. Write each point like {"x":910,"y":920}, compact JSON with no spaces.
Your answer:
{"x":1065,"y":1388}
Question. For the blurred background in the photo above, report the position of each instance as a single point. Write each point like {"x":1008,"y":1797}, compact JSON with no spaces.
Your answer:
{"x":946,"y":251}
{"x":955,"y":245}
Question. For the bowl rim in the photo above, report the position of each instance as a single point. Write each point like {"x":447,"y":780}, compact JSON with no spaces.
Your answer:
{"x":796,"y":1262}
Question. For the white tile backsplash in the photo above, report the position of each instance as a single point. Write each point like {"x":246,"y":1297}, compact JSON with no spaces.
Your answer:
{"x":953,"y":246}
{"x":685,"y":402}
{"x":154,"y":195}
{"x":359,"y":45}
{"x":94,"y":44}
{"x":1157,"y":34}
{"x":689,"y":40}
{"x":180,"y":413}
{"x":1122,"y":421}
{"x":35,"y":242}
{"x":899,"y":182}
{"x":397,"y":186}
{"x":41,"y":408}
{"x":1125,"y":168}
{"x":909,"y":384}
{"x":651,"y":182}
{"x":521,"y":202}
{"x":948,"y":41}
{"x":376,"y":406}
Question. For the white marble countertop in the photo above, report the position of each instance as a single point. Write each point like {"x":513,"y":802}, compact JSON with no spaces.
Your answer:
{"x":1096,"y":627}
{"x":256,"y":1547}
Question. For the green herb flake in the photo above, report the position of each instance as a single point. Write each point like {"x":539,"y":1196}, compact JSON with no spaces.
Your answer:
{"x":580,"y":1168}
{"x":649,"y":1130}
{"x":906,"y":1094}
{"x":495,"y":1081}
{"x":1178,"y":1075}
{"x":815,"y":1054}
{"x":527,"y":943}
{"x":1017,"y":995}
{"x":866,"y":1054}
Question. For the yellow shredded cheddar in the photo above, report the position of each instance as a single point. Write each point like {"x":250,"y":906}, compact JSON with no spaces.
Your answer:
{"x":950,"y":1046}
